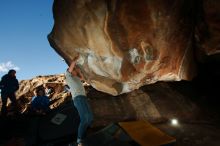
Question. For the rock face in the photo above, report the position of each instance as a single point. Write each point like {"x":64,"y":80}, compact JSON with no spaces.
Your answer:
{"x":127,"y":44}
{"x":208,"y":28}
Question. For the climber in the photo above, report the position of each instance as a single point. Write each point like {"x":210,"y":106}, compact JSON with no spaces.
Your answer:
{"x":73,"y":79}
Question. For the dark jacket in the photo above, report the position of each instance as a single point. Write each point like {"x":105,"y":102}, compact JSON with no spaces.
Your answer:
{"x":9,"y":84}
{"x":40,"y":103}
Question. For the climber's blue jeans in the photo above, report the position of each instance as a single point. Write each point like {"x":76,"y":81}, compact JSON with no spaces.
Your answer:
{"x":85,"y":114}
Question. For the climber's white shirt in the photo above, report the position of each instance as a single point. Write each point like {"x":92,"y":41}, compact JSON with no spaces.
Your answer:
{"x":75,"y":84}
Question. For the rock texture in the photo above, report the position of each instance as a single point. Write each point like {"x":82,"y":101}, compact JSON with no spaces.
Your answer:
{"x":208,"y":28}
{"x":27,"y":90}
{"x":127,"y":44}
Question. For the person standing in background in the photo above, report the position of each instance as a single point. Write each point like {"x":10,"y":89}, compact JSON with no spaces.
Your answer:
{"x":9,"y":85}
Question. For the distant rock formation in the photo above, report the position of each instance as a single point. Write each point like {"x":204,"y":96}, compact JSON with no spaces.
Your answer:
{"x":28,"y":87}
{"x":127,"y":44}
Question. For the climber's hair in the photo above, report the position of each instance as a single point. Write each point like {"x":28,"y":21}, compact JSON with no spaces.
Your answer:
{"x":40,"y":88}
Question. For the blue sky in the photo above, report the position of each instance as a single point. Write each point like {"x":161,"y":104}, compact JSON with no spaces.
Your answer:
{"x":24,"y":26}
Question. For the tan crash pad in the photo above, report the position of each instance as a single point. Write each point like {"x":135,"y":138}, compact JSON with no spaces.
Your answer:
{"x":146,"y":134}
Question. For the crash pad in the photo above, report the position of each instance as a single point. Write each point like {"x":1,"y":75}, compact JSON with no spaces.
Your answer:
{"x":145,"y":134}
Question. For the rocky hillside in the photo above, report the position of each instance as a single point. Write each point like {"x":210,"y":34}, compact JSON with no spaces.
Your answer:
{"x":27,"y":90}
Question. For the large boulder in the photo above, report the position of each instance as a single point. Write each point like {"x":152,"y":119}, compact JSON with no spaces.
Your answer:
{"x":126,"y":44}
